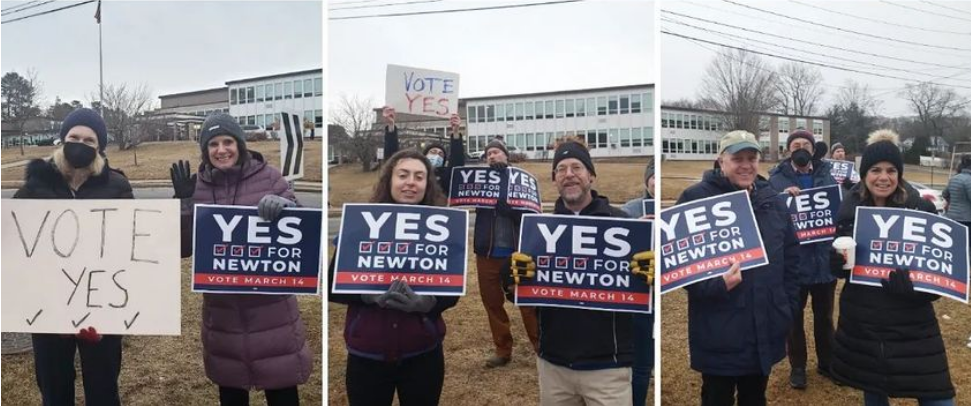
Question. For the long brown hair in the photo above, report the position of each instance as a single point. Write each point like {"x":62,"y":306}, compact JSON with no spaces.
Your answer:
{"x":382,"y":189}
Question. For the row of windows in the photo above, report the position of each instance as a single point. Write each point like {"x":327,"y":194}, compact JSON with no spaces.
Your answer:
{"x":277,"y":91}
{"x":206,"y":113}
{"x":683,"y":146}
{"x":562,"y":108}
{"x":266,"y":121}
{"x":603,"y":138}
{"x":691,"y":121}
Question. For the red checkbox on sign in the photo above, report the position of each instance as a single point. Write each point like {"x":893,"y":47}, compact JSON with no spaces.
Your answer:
{"x":365,"y":247}
{"x":255,"y":251}
{"x":876,"y":245}
{"x":667,"y":248}
{"x":543,"y":261}
{"x":219,"y":250}
{"x":698,"y":238}
{"x":893,"y":246}
{"x":401,"y":248}
{"x":562,"y":262}
{"x":580,"y":264}
{"x":237,"y":250}
{"x":910,"y":247}
{"x":384,"y":248}
{"x":683,"y":243}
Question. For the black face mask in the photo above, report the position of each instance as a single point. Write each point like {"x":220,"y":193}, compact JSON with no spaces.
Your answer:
{"x":78,"y":154}
{"x":801,"y":157}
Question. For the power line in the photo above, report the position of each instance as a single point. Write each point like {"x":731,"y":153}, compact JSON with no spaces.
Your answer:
{"x":25,"y":7}
{"x":924,"y":11}
{"x":847,"y":31}
{"x":947,"y":7}
{"x":811,"y":42}
{"x":19,"y":5}
{"x":48,"y":11}
{"x":801,"y":50}
{"x":897,"y":25}
{"x":384,"y":5}
{"x":352,"y":2}
{"x":414,"y":13}
{"x":663,"y":31}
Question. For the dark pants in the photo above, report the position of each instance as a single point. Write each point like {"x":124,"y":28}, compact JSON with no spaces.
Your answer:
{"x":720,"y":390}
{"x":823,"y":295}
{"x":274,"y":397}
{"x":54,"y":367}
{"x":418,"y":380}
{"x":643,"y":357}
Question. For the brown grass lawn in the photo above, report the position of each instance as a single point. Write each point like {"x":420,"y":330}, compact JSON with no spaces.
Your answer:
{"x":155,"y":158}
{"x":168,"y":370}
{"x":468,"y":344}
{"x":618,"y":180}
{"x":681,"y":386}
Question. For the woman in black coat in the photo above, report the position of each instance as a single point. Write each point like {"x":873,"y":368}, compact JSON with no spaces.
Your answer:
{"x":887,"y":342}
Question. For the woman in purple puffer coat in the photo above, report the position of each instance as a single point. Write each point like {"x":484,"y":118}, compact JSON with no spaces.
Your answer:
{"x":248,"y":341}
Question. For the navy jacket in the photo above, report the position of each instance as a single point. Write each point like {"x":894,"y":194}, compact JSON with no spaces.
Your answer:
{"x":743,"y":331}
{"x":815,"y":256}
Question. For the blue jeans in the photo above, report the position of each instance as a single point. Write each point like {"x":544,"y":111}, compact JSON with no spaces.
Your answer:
{"x":643,"y":357}
{"x":876,"y":399}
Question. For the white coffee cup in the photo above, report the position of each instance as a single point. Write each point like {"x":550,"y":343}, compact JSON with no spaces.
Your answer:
{"x":847,"y":247}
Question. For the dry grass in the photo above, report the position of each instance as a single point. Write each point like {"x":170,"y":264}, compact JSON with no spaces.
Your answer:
{"x":168,"y":370}
{"x":619,"y":180}
{"x":467,"y":345}
{"x":155,"y":158}
{"x":682,"y":386}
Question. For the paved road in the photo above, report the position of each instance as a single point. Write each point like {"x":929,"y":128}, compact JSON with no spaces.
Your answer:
{"x":307,"y":199}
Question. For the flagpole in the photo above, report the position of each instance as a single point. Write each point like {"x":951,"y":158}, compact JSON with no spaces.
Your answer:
{"x":101,"y":66}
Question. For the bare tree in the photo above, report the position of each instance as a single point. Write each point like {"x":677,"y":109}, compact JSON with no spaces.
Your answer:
{"x":356,"y":117}
{"x":937,"y":108}
{"x":122,"y":108}
{"x":740,"y":84}
{"x":799,"y":88}
{"x":853,"y":92}
{"x":21,"y":98}
{"x":684,"y":103}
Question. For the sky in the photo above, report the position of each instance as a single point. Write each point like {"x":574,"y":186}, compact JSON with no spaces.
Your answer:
{"x":683,"y":62}
{"x":547,"y":48}
{"x":170,"y":46}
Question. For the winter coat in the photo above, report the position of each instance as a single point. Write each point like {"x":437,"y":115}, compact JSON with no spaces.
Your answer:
{"x":390,"y":335}
{"x":743,"y":331}
{"x":455,"y":155}
{"x":248,"y":341}
{"x":635,"y":207}
{"x":815,"y":256}
{"x":885,"y":343}
{"x":586,"y":339}
{"x":958,"y":195}
{"x":43,"y":180}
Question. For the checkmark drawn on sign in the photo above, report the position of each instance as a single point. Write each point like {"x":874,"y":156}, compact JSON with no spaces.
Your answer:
{"x":129,"y":323}
{"x":78,"y":323}
{"x":30,"y":322}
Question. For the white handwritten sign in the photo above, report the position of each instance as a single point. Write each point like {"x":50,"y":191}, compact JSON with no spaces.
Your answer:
{"x":109,"y":264}
{"x":422,"y":92}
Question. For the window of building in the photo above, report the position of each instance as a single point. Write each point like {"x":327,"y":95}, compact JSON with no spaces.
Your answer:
{"x":637,"y":137}
{"x":318,"y":118}
{"x":613,"y":137}
{"x":529,"y":110}
{"x":297,"y":89}
{"x":278,"y":91}
{"x":308,"y":115}
{"x":308,"y":87}
{"x":560,"y":108}
{"x":232,"y":96}
{"x":260,"y":121}
{"x":635,"y":103}
{"x":510,"y":111}
{"x":602,"y":140}
{"x":648,"y":101}
{"x":549,"y":109}
{"x":664,"y":120}
{"x":318,"y":86}
{"x":581,"y":108}
{"x":612,"y":105}
{"x":625,"y":137}
{"x":481,"y":112}
{"x":288,"y":90}
{"x":694,"y":121}
{"x":250,"y":120}
{"x":602,"y":106}
{"x":592,"y":139}
{"x":570,"y":108}
{"x":250,"y":95}
{"x":259,"y":93}
{"x":519,"y":111}
{"x":470,"y":114}
{"x":540,"y":111}
{"x":491,"y":113}
{"x":501,"y":112}
{"x":625,"y":104}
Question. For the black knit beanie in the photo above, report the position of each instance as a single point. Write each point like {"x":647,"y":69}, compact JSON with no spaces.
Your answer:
{"x":882,"y":147}
{"x":221,"y":124}
{"x":572,"y":149}
{"x":435,"y":145}
{"x":88,"y":118}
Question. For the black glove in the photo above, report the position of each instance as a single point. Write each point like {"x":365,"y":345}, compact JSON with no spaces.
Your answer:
{"x":183,"y":181}
{"x":899,"y":283}
{"x":836,"y":262}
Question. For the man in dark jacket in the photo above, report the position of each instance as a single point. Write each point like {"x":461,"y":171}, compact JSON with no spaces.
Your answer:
{"x":737,"y":324}
{"x":792,"y":176}
{"x":77,"y":170}
{"x":585,"y":356}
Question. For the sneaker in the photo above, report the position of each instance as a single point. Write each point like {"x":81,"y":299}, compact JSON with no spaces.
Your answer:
{"x":797,"y":378}
{"x":497,"y":361}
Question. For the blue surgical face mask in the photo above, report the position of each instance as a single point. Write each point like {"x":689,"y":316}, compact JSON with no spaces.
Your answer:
{"x":436,"y":160}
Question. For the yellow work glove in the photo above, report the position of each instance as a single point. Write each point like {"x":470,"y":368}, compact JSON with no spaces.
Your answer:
{"x":521,"y":266}
{"x":642,"y":266}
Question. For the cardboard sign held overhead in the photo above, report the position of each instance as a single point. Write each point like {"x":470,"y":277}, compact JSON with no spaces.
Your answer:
{"x":109,"y":264}
{"x":422,"y":92}
{"x":291,"y":146}
{"x":237,"y":252}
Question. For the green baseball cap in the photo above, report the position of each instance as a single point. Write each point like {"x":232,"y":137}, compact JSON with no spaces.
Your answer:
{"x":738,"y":140}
